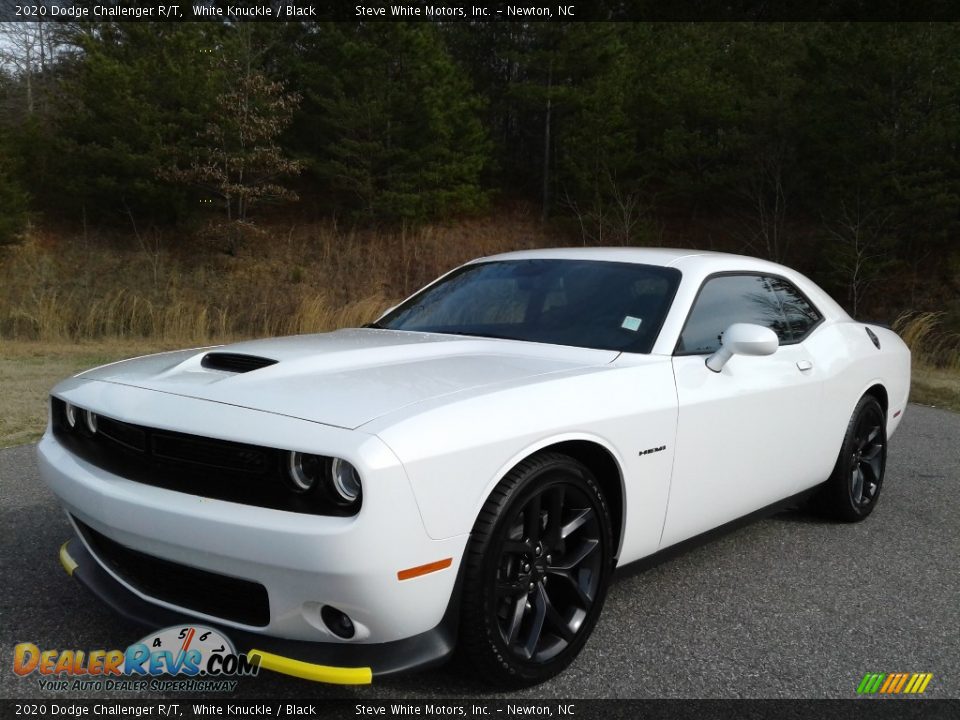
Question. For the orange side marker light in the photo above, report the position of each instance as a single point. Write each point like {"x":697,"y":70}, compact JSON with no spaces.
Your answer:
{"x":424,"y":569}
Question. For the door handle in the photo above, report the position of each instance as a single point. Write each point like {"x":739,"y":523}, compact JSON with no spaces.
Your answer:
{"x":804,"y":365}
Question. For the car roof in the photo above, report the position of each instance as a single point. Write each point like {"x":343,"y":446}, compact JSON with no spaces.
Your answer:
{"x":683,"y":259}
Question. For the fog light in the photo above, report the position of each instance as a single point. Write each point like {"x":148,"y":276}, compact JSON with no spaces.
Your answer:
{"x":90,"y":419}
{"x":338,"y":622}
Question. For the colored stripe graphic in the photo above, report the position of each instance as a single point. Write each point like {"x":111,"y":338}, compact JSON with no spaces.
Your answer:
{"x":891,"y":679}
{"x":921,"y":682}
{"x":900,"y":682}
{"x":870,"y":683}
{"x":894,"y":683}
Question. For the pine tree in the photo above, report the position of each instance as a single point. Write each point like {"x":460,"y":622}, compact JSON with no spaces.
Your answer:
{"x":390,"y":122}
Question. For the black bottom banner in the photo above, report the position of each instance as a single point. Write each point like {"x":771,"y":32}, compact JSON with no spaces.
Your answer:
{"x":480,"y":708}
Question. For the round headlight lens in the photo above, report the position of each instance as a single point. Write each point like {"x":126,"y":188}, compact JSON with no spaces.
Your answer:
{"x":346,"y":480}
{"x":90,"y":418}
{"x":304,"y":471}
{"x":71,"y":412}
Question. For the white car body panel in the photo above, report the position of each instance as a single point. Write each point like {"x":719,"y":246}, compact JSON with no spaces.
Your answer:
{"x":737,"y":449}
{"x":434,"y":422}
{"x":434,"y":443}
{"x":348,"y":377}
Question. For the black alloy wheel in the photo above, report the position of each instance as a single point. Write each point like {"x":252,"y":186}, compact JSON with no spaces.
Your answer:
{"x":853,"y":489}
{"x":537,"y":570}
{"x":868,"y":458}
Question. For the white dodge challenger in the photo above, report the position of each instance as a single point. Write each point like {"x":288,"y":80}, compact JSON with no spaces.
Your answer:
{"x":468,"y":470}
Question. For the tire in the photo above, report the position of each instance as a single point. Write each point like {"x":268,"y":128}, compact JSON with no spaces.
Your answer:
{"x":852,"y":491}
{"x":534,"y":588}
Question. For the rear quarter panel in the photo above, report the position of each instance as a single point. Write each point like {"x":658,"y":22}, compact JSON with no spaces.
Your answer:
{"x":851,"y":365}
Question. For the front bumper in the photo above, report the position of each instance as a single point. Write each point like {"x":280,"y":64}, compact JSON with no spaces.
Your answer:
{"x":342,"y":664}
{"x":303,"y":561}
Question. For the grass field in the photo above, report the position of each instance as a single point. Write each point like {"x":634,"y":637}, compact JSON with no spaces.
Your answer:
{"x":29,"y":369}
{"x":936,"y":387}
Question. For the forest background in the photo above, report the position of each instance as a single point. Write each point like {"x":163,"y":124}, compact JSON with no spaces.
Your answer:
{"x":191,"y":183}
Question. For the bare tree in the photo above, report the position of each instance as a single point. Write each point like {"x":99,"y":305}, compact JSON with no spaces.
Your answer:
{"x":546,"y":145}
{"x":615,"y":214}
{"x":860,"y":250}
{"x":767,"y":197}
{"x":26,"y":51}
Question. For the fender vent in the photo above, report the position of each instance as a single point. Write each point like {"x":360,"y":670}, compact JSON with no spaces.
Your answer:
{"x":873,"y":337}
{"x":233,"y":362}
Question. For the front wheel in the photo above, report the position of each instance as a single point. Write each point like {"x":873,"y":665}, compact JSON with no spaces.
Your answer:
{"x":537,"y":569}
{"x":853,"y":489}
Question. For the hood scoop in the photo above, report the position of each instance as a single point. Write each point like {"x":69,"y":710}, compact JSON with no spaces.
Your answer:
{"x":235,"y":362}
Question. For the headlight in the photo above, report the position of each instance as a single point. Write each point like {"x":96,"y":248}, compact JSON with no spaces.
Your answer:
{"x":71,"y":413}
{"x":324,"y":479}
{"x":346,"y":480}
{"x":90,"y":419}
{"x":304,"y":471}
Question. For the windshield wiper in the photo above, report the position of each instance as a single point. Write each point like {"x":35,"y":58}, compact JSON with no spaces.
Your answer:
{"x":374,"y":325}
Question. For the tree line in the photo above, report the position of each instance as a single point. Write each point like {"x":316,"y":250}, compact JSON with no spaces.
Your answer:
{"x":833,"y":146}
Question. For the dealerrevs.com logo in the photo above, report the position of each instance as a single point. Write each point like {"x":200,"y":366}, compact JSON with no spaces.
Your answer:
{"x":203,"y":655}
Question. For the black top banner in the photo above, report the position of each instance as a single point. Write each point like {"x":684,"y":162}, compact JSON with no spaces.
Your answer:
{"x":444,"y":709}
{"x":477,"y":11}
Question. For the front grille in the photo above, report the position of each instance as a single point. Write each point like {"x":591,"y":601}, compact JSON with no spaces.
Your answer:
{"x":188,"y":587}
{"x":234,"y":362}
{"x":124,"y":434}
{"x":208,"y":467}
{"x":210,"y":453}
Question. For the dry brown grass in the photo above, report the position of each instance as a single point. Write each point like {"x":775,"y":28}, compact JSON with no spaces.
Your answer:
{"x":936,"y":359}
{"x":283,"y":280}
{"x":931,"y":345}
{"x":70,"y":304}
{"x":67,"y":304}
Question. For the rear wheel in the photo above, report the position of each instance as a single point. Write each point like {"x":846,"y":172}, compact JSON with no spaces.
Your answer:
{"x":853,"y":489}
{"x":537,"y":568}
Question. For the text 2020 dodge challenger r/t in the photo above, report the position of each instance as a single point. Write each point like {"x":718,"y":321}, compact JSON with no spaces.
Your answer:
{"x":469,"y":469}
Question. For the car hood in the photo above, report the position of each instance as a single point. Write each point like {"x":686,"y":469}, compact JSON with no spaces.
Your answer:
{"x":349,"y":377}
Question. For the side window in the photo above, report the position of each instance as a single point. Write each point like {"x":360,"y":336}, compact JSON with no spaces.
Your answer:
{"x":800,"y":314}
{"x":729,"y":299}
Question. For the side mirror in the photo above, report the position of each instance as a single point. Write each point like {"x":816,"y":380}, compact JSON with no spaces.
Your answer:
{"x":743,"y":339}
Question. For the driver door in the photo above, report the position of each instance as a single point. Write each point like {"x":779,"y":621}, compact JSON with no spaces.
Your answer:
{"x":742,"y":433}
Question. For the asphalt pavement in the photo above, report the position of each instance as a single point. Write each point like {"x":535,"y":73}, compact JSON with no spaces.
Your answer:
{"x":787,"y":607}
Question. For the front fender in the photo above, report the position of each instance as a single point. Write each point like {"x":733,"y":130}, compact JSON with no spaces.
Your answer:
{"x":455,"y":452}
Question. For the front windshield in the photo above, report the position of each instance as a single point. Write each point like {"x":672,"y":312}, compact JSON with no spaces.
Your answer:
{"x":584,"y":303}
